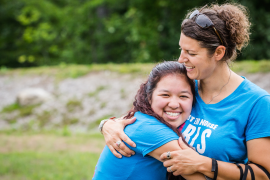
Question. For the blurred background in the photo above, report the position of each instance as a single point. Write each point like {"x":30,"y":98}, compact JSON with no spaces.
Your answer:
{"x":50,"y":32}
{"x":66,"y":65}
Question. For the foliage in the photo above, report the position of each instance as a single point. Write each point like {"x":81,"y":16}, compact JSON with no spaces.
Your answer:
{"x":52,"y":32}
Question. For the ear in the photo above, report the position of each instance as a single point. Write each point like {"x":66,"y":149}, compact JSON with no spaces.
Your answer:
{"x":220,"y":52}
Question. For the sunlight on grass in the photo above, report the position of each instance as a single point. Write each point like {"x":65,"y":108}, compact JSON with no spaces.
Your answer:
{"x":74,"y":71}
{"x":63,"y":71}
{"x":48,"y":156}
{"x":251,"y":66}
{"x":47,"y":166}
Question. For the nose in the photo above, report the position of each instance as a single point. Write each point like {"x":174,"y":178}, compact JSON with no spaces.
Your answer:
{"x":174,"y":103}
{"x":182,"y":58}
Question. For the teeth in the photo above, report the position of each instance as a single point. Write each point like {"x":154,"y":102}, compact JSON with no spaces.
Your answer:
{"x":189,"y":67}
{"x":172,"y":114}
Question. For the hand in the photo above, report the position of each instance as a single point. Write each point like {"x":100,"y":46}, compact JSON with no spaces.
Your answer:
{"x":185,"y":161}
{"x":113,"y":131}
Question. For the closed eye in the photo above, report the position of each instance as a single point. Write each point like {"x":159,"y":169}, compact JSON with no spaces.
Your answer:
{"x":183,"y":96}
{"x":192,"y":54}
{"x":165,"y":95}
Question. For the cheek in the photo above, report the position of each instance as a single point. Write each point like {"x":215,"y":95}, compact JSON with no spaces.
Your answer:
{"x":158,"y":104}
{"x":187,"y":105}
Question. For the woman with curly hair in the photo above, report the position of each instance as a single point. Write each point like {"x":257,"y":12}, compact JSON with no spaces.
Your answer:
{"x":229,"y":125}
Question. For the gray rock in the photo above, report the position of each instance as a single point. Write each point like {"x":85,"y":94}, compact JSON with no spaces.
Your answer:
{"x":33,"y":96}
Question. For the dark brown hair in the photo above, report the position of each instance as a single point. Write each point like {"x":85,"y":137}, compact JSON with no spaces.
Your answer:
{"x":231,"y":22}
{"x":144,"y":94}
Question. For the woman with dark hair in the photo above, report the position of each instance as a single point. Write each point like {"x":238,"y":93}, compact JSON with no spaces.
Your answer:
{"x":230,"y":120}
{"x":161,"y":106}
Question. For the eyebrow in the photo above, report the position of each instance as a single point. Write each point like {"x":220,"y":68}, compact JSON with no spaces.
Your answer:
{"x":164,"y":90}
{"x":187,"y":49}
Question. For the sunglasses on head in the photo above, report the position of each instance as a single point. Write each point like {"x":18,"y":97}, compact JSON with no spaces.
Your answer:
{"x":204,"y":22}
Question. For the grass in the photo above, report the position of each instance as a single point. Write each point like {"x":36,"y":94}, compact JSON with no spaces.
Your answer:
{"x":48,"y":156}
{"x":23,"y":110}
{"x":95,"y":93}
{"x":47,"y":166}
{"x":251,"y":66}
{"x":68,"y":121}
{"x":73,"y":104}
{"x":103,"y":105}
{"x":44,"y":118}
{"x":63,"y":71}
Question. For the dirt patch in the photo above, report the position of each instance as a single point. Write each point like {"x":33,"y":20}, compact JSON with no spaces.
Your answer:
{"x":49,"y":143}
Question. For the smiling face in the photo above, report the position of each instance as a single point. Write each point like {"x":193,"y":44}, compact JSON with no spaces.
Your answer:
{"x":172,"y":99}
{"x":196,"y":59}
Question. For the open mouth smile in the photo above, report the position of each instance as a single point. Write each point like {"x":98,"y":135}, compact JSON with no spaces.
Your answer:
{"x":190,"y":67}
{"x":173,"y":114}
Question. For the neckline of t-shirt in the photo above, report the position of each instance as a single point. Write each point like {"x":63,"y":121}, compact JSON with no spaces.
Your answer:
{"x":234,"y":93}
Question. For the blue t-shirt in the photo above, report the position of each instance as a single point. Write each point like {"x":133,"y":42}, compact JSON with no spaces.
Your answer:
{"x":149,"y":134}
{"x":221,"y":130}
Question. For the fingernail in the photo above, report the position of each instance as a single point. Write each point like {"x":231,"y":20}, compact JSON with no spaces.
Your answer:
{"x":133,"y":153}
{"x":133,"y":145}
{"x":119,"y":156}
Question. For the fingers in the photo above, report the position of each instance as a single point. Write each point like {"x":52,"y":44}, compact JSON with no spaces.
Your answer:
{"x":114,"y":152}
{"x":119,"y":149}
{"x":125,"y":138}
{"x":129,"y":121}
{"x":168,"y":163}
{"x":169,"y":169}
{"x":164,"y":156}
{"x":124,"y":150}
{"x":113,"y":132}
{"x":176,"y":173}
{"x":174,"y":170}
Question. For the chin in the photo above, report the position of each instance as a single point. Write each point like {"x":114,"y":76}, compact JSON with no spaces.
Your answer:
{"x":175,"y":125}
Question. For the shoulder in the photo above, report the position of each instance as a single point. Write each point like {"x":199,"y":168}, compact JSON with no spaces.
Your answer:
{"x":148,"y":126}
{"x":146,"y":118}
{"x":149,"y":133}
{"x":251,"y":88}
{"x":250,"y":92}
{"x":147,"y":122}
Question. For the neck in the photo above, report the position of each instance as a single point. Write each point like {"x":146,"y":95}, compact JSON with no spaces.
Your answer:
{"x":217,"y":79}
{"x":217,"y":86}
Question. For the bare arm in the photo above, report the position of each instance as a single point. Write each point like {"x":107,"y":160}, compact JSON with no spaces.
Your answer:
{"x":186,"y":162}
{"x":174,"y":146}
{"x":113,"y":131}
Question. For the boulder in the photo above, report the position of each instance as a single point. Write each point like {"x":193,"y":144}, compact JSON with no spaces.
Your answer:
{"x":33,"y":96}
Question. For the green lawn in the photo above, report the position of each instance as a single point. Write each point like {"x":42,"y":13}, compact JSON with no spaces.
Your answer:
{"x":48,"y":156}
{"x":73,"y":71}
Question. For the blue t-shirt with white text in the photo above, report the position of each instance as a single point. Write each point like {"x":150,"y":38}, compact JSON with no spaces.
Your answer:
{"x":221,"y":130}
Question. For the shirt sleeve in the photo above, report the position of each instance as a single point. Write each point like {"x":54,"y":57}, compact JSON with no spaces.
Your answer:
{"x":150,"y":134}
{"x":259,"y":119}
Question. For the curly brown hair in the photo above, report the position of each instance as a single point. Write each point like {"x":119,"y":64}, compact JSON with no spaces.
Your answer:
{"x":232,"y":23}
